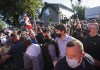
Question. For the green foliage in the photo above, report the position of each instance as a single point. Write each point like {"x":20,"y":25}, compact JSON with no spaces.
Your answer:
{"x":2,"y":26}
{"x":29,"y":6}
{"x":12,"y":8}
{"x":15,"y":7}
{"x":80,"y":11}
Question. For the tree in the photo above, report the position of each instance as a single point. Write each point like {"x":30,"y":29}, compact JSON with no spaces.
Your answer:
{"x":12,"y":8}
{"x":80,"y":11}
{"x":2,"y":26}
{"x":17,"y":6}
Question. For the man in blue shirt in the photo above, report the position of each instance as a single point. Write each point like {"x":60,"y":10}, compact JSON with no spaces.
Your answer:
{"x":16,"y":52}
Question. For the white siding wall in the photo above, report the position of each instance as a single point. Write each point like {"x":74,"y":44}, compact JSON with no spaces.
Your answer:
{"x":67,"y":13}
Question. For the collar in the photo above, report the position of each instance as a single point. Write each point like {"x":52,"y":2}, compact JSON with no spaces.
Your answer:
{"x":65,"y":38}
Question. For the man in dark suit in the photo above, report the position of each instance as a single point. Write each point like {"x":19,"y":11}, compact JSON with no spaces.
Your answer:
{"x":76,"y":58}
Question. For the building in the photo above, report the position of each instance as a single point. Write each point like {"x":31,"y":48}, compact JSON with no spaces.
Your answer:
{"x":54,"y":13}
{"x":92,"y":13}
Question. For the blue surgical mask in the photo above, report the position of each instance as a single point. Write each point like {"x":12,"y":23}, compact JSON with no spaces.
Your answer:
{"x":73,"y":63}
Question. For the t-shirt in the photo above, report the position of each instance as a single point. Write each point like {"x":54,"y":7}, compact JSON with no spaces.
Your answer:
{"x":33,"y":58}
{"x":92,"y":46}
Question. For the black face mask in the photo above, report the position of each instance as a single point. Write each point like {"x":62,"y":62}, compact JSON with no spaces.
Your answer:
{"x":78,"y":29}
{"x":46,"y":40}
{"x":58,"y":35}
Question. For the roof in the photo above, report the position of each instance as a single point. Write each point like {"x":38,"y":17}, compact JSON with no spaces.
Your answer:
{"x":54,"y":7}
{"x":67,"y":8}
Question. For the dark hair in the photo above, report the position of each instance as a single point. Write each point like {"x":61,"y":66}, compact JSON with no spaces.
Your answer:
{"x":75,"y":42}
{"x":14,"y":35}
{"x":93,"y":21}
{"x":61,"y":27}
{"x":26,"y":39}
{"x":45,"y":30}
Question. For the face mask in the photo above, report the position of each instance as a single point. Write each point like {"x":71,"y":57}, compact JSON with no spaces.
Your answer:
{"x":58,"y":35}
{"x":46,"y":40}
{"x":73,"y":63}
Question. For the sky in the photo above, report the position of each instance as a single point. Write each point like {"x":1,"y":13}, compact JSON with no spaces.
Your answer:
{"x":87,"y":3}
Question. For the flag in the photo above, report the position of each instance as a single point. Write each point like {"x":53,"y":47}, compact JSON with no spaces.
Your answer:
{"x":35,"y":25}
{"x":28,"y":23}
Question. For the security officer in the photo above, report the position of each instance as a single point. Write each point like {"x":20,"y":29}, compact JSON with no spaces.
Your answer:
{"x":76,"y":58}
{"x":92,"y":43}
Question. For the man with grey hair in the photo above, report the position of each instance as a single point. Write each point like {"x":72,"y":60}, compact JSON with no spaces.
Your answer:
{"x":92,"y":43}
{"x":76,"y":58}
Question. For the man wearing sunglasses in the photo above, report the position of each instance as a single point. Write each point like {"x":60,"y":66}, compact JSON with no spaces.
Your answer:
{"x":49,"y":50}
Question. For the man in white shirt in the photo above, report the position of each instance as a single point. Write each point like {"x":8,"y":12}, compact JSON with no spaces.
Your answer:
{"x":32,"y":57}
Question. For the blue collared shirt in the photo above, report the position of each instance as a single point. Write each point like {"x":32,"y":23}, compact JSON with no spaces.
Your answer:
{"x":62,"y":45}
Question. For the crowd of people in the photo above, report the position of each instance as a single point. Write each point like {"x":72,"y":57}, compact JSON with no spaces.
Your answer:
{"x":64,"y":47}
